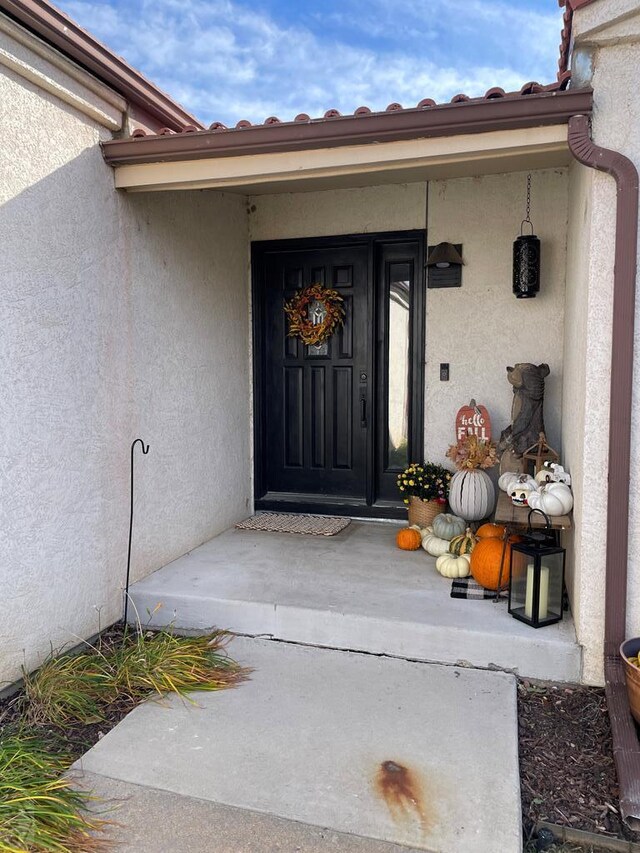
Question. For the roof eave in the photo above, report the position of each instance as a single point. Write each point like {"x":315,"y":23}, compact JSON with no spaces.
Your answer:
{"x":575,"y":4}
{"x":63,"y":33}
{"x":507,"y":113}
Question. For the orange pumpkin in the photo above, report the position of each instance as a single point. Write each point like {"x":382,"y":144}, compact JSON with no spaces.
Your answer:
{"x":485,"y":563}
{"x":490,"y":531}
{"x":408,"y":539}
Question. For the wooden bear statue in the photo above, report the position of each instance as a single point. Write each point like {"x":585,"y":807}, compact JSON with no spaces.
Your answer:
{"x":527,"y":420}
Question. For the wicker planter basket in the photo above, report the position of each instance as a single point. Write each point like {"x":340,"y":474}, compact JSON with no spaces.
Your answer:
{"x":422,"y":512}
{"x":628,"y":649}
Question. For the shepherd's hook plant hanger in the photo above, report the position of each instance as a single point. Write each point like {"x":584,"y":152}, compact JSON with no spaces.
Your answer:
{"x":145,"y":450}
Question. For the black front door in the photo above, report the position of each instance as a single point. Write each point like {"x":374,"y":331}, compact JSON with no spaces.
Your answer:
{"x":334,"y":422}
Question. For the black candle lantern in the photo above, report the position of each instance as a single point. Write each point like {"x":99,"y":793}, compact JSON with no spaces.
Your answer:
{"x":526,"y":257}
{"x":537,"y":577}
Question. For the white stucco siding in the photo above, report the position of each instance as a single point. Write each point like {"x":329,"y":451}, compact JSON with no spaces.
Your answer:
{"x":362,"y":210}
{"x":120,"y":317}
{"x":481,"y":327}
{"x":617,"y":125}
{"x":607,"y":39}
{"x":578,"y":542}
{"x":190,"y":367}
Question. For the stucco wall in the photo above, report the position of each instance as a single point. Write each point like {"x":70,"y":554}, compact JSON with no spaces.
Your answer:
{"x":608,"y":47}
{"x":480,"y":327}
{"x":396,"y":207}
{"x":122,"y":316}
{"x":578,"y":542}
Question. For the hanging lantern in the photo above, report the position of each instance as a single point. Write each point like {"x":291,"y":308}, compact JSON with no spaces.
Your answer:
{"x":536,"y":585}
{"x":526,"y":257}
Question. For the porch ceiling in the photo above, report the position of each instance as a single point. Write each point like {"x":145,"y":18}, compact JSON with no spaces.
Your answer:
{"x":357,"y":165}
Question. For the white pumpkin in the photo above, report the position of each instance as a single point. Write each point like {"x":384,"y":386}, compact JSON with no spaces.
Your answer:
{"x":544,"y":476}
{"x":510,"y":480}
{"x":435,"y":546}
{"x":423,"y":531}
{"x":451,"y":566}
{"x":471,"y":494}
{"x":520,"y":494}
{"x":506,"y":480}
{"x":553,"y":472}
{"x":554,"y":499}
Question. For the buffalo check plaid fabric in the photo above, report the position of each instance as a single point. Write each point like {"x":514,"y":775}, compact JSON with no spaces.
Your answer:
{"x":468,"y":588}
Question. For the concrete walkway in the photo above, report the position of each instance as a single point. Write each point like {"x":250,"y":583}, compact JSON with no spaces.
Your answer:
{"x":353,"y":591}
{"x":320,"y":750}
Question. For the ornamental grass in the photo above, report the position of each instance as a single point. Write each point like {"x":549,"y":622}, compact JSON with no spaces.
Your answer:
{"x":80,"y":688}
{"x":39,"y":810}
{"x":68,"y":689}
{"x":162,"y":663}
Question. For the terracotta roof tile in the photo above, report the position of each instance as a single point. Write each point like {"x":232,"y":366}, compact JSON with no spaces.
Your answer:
{"x":565,"y":36}
{"x":495,"y":93}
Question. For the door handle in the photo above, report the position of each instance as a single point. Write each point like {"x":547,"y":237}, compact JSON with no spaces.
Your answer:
{"x":363,"y":412}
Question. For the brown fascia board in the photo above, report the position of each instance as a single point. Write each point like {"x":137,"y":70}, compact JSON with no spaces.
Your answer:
{"x":480,"y":116}
{"x":575,"y":4}
{"x":62,"y":32}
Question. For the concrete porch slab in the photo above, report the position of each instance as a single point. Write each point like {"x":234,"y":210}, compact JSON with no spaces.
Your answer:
{"x":305,"y":740}
{"x":353,"y":591}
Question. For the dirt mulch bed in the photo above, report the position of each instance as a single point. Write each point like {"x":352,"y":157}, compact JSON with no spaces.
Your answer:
{"x":567,"y":771}
{"x":74,"y":739}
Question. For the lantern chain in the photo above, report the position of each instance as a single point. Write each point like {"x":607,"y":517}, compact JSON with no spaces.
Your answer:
{"x":528,"y":216}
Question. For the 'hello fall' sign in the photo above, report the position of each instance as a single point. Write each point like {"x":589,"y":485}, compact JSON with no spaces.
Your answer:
{"x":473,"y":420}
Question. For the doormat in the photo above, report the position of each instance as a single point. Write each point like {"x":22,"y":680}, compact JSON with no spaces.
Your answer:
{"x":290,"y":522}
{"x":470,"y":589}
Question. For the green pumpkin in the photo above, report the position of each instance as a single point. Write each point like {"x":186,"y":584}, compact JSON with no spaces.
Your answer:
{"x":463,"y":544}
{"x":446,"y":526}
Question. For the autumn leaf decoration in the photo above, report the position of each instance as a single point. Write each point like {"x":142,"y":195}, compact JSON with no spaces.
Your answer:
{"x":302,"y":325}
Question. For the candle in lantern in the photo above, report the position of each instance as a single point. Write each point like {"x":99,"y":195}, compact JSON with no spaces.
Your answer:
{"x":543,"y":609}
{"x":543,"y":600}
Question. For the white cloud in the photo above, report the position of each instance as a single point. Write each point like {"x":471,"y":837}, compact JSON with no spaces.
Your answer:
{"x":225,"y":62}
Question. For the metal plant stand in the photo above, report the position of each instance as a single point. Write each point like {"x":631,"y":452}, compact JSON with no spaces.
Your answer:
{"x":145,"y":450}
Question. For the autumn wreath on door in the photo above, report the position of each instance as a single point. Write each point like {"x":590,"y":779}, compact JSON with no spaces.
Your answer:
{"x":314,"y":313}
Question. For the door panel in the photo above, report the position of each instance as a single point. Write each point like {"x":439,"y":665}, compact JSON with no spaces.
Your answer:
{"x":336,"y":422}
{"x":316,"y":441}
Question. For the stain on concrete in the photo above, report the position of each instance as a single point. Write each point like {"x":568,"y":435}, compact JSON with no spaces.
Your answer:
{"x":402,"y":789}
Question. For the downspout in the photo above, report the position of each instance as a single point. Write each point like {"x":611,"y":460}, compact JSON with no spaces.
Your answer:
{"x":626,"y":747}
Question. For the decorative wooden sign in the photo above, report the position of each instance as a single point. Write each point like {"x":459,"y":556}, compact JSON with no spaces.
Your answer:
{"x":473,"y":420}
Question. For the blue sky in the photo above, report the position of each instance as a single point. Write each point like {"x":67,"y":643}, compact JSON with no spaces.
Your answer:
{"x":226,"y":60}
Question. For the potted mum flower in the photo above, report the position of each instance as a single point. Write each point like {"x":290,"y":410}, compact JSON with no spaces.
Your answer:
{"x":472,"y":495}
{"x":424,"y":488}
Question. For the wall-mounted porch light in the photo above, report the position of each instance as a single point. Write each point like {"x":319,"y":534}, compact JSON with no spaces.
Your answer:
{"x":526,"y":257}
{"x":444,"y":263}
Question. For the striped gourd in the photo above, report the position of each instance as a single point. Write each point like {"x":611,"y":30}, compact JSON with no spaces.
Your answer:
{"x":471,"y":494}
{"x":463,"y":544}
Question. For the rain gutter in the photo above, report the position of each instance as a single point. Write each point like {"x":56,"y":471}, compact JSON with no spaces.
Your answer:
{"x":477,"y":116}
{"x":626,"y":747}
